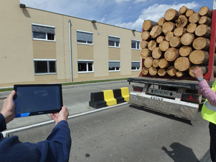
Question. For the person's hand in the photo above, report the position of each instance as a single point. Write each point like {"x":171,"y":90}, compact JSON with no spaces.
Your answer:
{"x":62,"y":115}
{"x":8,"y":110}
{"x":197,"y":72}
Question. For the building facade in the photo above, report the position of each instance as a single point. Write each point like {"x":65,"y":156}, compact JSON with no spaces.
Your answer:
{"x":37,"y":46}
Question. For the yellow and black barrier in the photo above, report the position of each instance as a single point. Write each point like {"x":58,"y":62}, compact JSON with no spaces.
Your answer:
{"x":109,"y":97}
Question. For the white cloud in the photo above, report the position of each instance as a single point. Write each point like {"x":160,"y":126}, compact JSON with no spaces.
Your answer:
{"x":154,"y":13}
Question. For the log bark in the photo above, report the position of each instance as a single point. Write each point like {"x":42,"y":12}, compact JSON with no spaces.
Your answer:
{"x":182,"y":63}
{"x":160,"y":39}
{"x":201,"y":43}
{"x":189,"y":12}
{"x":187,"y":39}
{"x":171,"y":71}
{"x":171,"y":15}
{"x":168,"y":27}
{"x":182,"y":21}
{"x":181,"y":73}
{"x":148,"y":24}
{"x":164,"y":45}
{"x":157,"y":53}
{"x":152,"y":45}
{"x":191,"y":28}
{"x":156,"y":31}
{"x":198,"y":57}
{"x":205,"y":11}
{"x":169,"y":36}
{"x":205,"y":20}
{"x":204,"y":70}
{"x":163,"y":63}
{"x":148,"y":62}
{"x":155,"y":63}
{"x":183,"y":10}
{"x":145,"y":36}
{"x":162,"y":72}
{"x":171,"y":54}
{"x":144,"y":44}
{"x":175,"y":42}
{"x":178,"y":32}
{"x":161,"y":21}
{"x":194,"y":18}
{"x":153,"y":71}
{"x":145,"y":53}
{"x":145,"y":70}
{"x":185,"y":50}
{"x":203,"y":31}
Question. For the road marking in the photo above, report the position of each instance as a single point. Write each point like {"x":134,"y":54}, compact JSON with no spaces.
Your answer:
{"x":7,"y":132}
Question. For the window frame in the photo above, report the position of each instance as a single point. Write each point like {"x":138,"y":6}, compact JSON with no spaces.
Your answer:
{"x":46,"y":39}
{"x":114,"y":41}
{"x":115,"y":67}
{"x":86,"y":41}
{"x":48,"y":70}
{"x":136,"y":68}
{"x":87,"y":62}
{"x":136,"y":44}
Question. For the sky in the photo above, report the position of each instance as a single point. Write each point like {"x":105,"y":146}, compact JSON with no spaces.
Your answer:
{"x":128,"y":14}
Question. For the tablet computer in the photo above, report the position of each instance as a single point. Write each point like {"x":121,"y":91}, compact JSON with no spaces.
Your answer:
{"x":35,"y":99}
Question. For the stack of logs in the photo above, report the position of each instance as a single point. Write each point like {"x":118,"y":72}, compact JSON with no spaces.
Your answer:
{"x":177,"y":43}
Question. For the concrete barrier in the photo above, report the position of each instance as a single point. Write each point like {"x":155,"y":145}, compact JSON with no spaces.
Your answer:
{"x":109,"y":97}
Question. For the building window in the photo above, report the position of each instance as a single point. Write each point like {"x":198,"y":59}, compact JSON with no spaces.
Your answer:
{"x":135,"y":65}
{"x":113,"y":41}
{"x":45,"y":66}
{"x":43,"y":32}
{"x":85,"y":66}
{"x":114,"y":65}
{"x":84,"y":37}
{"x":135,"y":44}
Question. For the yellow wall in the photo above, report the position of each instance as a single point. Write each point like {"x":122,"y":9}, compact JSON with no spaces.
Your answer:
{"x":18,"y":49}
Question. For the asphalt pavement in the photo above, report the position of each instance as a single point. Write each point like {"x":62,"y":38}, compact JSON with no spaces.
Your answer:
{"x":122,"y":133}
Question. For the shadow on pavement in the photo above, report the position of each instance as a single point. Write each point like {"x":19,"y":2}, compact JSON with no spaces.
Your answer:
{"x":161,"y":114}
{"x":180,"y":153}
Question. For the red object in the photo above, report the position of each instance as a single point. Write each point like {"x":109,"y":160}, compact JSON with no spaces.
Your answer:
{"x":209,"y":76}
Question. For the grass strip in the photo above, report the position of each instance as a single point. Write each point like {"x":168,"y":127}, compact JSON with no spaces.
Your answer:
{"x":74,"y":83}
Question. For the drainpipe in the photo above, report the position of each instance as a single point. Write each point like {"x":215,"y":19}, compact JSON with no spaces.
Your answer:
{"x":71,"y":67}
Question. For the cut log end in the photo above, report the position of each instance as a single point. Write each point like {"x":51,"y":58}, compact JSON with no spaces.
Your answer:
{"x":185,"y":50}
{"x":187,"y":39}
{"x":164,"y":45}
{"x":182,"y":63}
{"x":148,"y":62}
{"x":148,"y":24}
{"x":183,"y":10}
{"x":145,"y":35}
{"x":162,"y":72}
{"x":161,"y":21}
{"x":203,"y":31}
{"x":191,"y":28}
{"x":155,"y":63}
{"x":171,"y":54}
{"x":171,"y":71}
{"x":144,"y":44}
{"x":153,"y":71}
{"x":152,"y":45}
{"x":145,"y":53}
{"x":199,"y":57}
{"x":182,"y":21}
{"x":156,"y":53}
{"x":175,"y":42}
{"x":145,"y":71}
{"x":171,"y":15}
{"x":205,"y":11}
{"x":169,"y":36}
{"x":163,"y":63}
{"x":201,"y":43}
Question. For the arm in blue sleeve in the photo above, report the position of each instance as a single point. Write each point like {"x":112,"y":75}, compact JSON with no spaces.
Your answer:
{"x":2,"y":123}
{"x":57,"y":146}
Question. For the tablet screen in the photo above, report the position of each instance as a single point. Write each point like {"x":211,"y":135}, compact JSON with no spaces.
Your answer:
{"x":38,"y":99}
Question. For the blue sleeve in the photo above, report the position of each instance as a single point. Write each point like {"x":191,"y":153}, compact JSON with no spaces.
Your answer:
{"x":55,"y":148}
{"x":58,"y":144}
{"x":2,"y":123}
